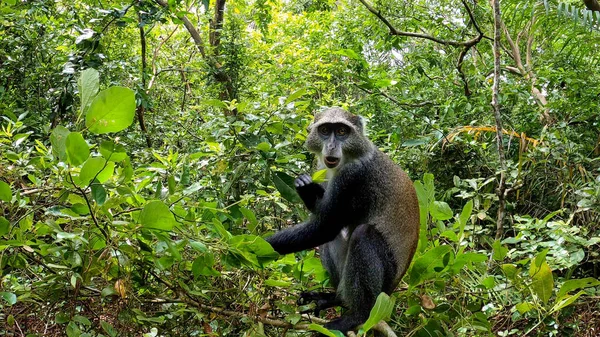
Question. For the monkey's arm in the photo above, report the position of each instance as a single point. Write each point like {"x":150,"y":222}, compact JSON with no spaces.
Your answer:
{"x":310,"y":192}
{"x":306,"y":235}
{"x":336,"y":210}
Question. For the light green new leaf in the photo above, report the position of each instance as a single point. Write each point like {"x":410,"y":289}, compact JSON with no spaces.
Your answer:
{"x":77,"y":149}
{"x":89,"y":84}
{"x":295,"y":95}
{"x":565,"y":302}
{"x":112,"y":151}
{"x":58,"y":140}
{"x":5,"y":192}
{"x":156,"y":215}
{"x":381,"y":311}
{"x":571,"y":285}
{"x":96,"y":167}
{"x":319,"y":176}
{"x":441,"y":211}
{"x":542,"y":281}
{"x":111,"y":111}
{"x":323,"y":330}
{"x":10,"y":298}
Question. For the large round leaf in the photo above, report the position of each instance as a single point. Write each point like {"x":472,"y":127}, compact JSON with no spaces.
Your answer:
{"x":77,"y":149}
{"x":111,"y":111}
{"x":5,"y":192}
{"x":96,"y":167}
{"x":156,"y":215}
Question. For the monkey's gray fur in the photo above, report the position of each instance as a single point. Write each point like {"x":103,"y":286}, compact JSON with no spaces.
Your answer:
{"x":365,"y":218}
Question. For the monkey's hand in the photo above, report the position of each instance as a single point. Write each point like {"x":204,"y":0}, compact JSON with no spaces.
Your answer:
{"x":309,"y":191}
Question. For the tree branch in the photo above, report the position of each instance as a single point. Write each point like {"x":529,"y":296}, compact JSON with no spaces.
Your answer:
{"x":496,"y":109}
{"x":191,"y":29}
{"x":394,"y":31}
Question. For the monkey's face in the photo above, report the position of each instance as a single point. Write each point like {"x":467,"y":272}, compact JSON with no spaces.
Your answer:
{"x":336,"y":137}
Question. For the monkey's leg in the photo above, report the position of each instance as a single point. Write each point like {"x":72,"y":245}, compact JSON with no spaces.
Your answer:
{"x":367,"y":272}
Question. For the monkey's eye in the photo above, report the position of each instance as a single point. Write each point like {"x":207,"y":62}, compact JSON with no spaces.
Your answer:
{"x":324,"y":129}
{"x":342,"y":131}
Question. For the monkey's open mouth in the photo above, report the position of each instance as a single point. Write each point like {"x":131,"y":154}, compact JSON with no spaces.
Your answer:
{"x":331,"y":162}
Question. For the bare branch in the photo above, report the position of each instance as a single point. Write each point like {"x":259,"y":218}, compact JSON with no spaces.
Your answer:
{"x":394,"y":31}
{"x":498,"y":25}
{"x":191,"y":29}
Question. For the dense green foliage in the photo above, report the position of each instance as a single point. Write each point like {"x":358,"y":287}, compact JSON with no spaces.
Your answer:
{"x":147,"y":147}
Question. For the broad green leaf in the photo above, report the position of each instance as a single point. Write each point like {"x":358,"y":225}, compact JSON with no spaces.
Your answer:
{"x":156,"y":215}
{"x":542,"y":281}
{"x":425,"y":265}
{"x":441,"y":211}
{"x":381,"y":311}
{"x":112,"y":151}
{"x":58,"y":140}
{"x":264,"y":147}
{"x":10,"y":298}
{"x":323,"y":330}
{"x":319,"y":176}
{"x":510,"y":270}
{"x":465,"y":214}
{"x":285,"y":185}
{"x":295,"y":95}
{"x":96,"y":167}
{"x":77,"y":149}
{"x":89,"y":84}
{"x":571,"y":285}
{"x":564,"y":302}
{"x":111,"y":111}
{"x":61,"y":318}
{"x":215,"y":103}
{"x":198,"y":246}
{"x":4,"y":226}
{"x":98,"y":193}
{"x":278,"y":283}
{"x":500,"y":251}
{"x":524,"y":307}
{"x":251,"y":217}
{"x":5,"y":192}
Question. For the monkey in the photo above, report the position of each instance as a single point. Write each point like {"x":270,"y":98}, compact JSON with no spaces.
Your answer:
{"x":364,"y":218}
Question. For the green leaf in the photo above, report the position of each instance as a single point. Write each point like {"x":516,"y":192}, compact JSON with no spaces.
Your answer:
{"x":500,"y":251}
{"x":323,"y":330}
{"x":111,"y":111}
{"x":565,"y":302}
{"x":524,"y":307}
{"x":381,"y":311}
{"x":96,"y":167}
{"x":542,"y":280}
{"x":425,"y":266}
{"x":77,"y":149}
{"x":295,"y":95}
{"x":571,"y":285}
{"x":319,"y":176}
{"x":58,"y":140}
{"x":285,"y":185}
{"x":112,"y":332}
{"x":441,"y":211}
{"x":61,"y":318}
{"x":156,"y":215}
{"x":10,"y":298}
{"x":264,"y":147}
{"x":4,"y":226}
{"x":89,"y":84}
{"x":98,"y":193}
{"x":248,"y":214}
{"x":112,"y":151}
{"x":5,"y":192}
